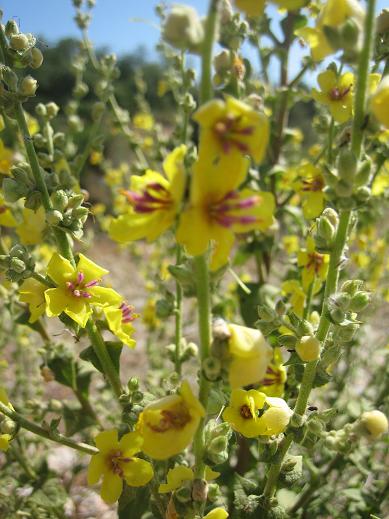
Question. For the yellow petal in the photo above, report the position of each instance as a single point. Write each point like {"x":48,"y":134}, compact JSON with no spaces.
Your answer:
{"x":111,"y":488}
{"x":59,"y":269}
{"x":90,"y":270}
{"x":137,"y":472}
{"x":131,"y":443}
{"x":107,"y":440}
{"x":56,"y":300}
{"x":103,"y":296}
{"x":96,"y":468}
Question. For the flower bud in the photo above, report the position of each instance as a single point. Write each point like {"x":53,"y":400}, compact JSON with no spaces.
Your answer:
{"x":17,"y":265}
{"x":200,"y":490}
{"x":344,"y":189}
{"x":337,"y":315}
{"x":325,"y":230}
{"x":331,"y":215}
{"x":54,"y":217}
{"x":36,"y":58}
{"x":350,"y":32}
{"x":212,"y":368}
{"x":40,"y":111}
{"x":183,"y":28}
{"x":362,"y":194}
{"x":11,"y":28}
{"x":28,"y":86}
{"x":363,"y":175}
{"x":8,"y":427}
{"x":308,"y":348}
{"x":218,"y":445}
{"x":18,"y":42}
{"x":52,"y":109}
{"x":346,"y":333}
{"x":347,"y":165}
{"x":266,"y":313}
{"x":133,"y":384}
{"x":375,"y":423}
{"x":222,"y":62}
{"x":359,"y":301}
{"x":60,"y":200}
{"x":137,"y":397}
{"x":288,"y":341}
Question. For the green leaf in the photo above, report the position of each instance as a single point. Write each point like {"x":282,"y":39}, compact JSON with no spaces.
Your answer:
{"x":134,"y":502}
{"x":76,"y":420}
{"x":114,"y":349}
{"x":248,"y":303}
{"x":321,"y":377}
{"x":293,"y":360}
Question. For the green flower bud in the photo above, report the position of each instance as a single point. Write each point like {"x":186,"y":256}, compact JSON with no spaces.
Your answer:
{"x":350,"y":32}
{"x":362,"y":194}
{"x":28,"y":86}
{"x":54,"y":217}
{"x":331,"y":179}
{"x":213,"y":492}
{"x":290,"y":463}
{"x":80,"y":213}
{"x":40,"y":111}
{"x":124,"y":398}
{"x":352,"y":286}
{"x":183,"y":28}
{"x":363,"y":175}
{"x":18,"y":42}
{"x":12,"y":190}
{"x":359,"y":301}
{"x":56,"y":405}
{"x":315,"y":426}
{"x":33,"y":200}
{"x":305,"y":328}
{"x":308,"y":348}
{"x":164,"y":308}
{"x":137,"y":397}
{"x":36,"y":58}
{"x":11,"y":28}
{"x":17,"y":265}
{"x":341,"y":300}
{"x":333,"y":36}
{"x":325,"y":230}
{"x":297,"y":420}
{"x":59,"y":140}
{"x":60,"y":200}
{"x":331,"y":215}
{"x":75,"y":123}
{"x":266,"y":313}
{"x":218,"y":445}
{"x":337,"y":315}
{"x":346,"y":333}
{"x":280,"y":307}
{"x":347,"y":165}
{"x":39,"y":140}
{"x":52,"y":109}
{"x":80,"y":90}
{"x":7,"y":426}
{"x":75,"y":201}
{"x":133,"y":384}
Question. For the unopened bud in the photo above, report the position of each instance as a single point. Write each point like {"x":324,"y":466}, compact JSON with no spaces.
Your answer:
{"x":359,"y":301}
{"x":347,"y":165}
{"x":183,"y":28}
{"x":344,"y":188}
{"x":363,"y":175}
{"x":331,"y":215}
{"x":28,"y":86}
{"x":54,"y":217}
{"x":325,"y":230}
{"x":52,"y":109}
{"x":18,"y":42}
{"x":36,"y":58}
{"x":308,"y":348}
{"x":288,"y":341}
{"x":212,"y":368}
{"x":40,"y":111}
{"x":346,"y":333}
{"x":60,"y":200}
{"x":11,"y":28}
{"x":350,"y":32}
{"x":133,"y":384}
{"x":17,"y":265}
{"x":362,"y":194}
{"x":375,"y":423}
{"x":200,"y":490}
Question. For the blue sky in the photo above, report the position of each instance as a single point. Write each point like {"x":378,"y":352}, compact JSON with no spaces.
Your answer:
{"x":120,"y":25}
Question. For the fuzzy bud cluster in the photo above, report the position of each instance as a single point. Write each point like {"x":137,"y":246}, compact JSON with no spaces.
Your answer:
{"x":183,"y":28}
{"x":217,"y":436}
{"x":68,"y":212}
{"x":18,"y":263}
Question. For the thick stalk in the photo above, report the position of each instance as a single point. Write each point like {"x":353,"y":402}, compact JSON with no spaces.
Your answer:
{"x":44,"y":433}
{"x":201,"y":262}
{"x":337,"y":251}
{"x":178,"y":315}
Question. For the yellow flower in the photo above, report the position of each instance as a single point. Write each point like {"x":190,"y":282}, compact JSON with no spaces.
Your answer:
{"x":274,"y":382}
{"x":381,"y":181}
{"x":251,"y":7}
{"x":290,"y":5}
{"x":293,"y":289}
{"x":154,"y":201}
{"x":116,"y":463}
{"x":177,"y":476}
{"x":6,"y":156}
{"x":169,"y":424}
{"x":31,"y":229}
{"x":77,"y":289}
{"x":96,"y":158}
{"x":5,"y":438}
{"x":230,"y":130}
{"x":290,"y":243}
{"x":217,"y":513}
{"x":310,"y":187}
{"x":315,"y":265}
{"x":250,"y":356}
{"x":143,"y":121}
{"x":217,"y":211}
{"x":252,"y":413}
{"x":6,"y":217}
{"x":333,"y":14}
{"x":336,"y":93}
{"x":119,"y":319}
{"x":380,"y":102}
{"x":33,"y":293}
{"x":162,"y":87}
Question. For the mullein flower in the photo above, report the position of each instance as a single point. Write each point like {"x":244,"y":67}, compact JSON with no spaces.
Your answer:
{"x":119,"y":319}
{"x":334,"y":14}
{"x":250,"y":356}
{"x":6,"y":217}
{"x":252,"y":413}
{"x":251,"y":7}
{"x":310,"y":187}
{"x":116,"y":463}
{"x":5,"y":439}
{"x":179,"y":475}
{"x":217,"y":211}
{"x":230,"y":130}
{"x":32,"y":227}
{"x":379,"y":102}
{"x":77,"y":289}
{"x":33,"y":293}
{"x":154,"y":201}
{"x":315,"y":265}
{"x":169,"y":424}
{"x":217,"y":513}
{"x":273,"y":384}
{"x":336,"y":92}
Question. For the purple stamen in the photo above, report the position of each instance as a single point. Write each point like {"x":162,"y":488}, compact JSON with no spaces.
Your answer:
{"x":80,"y":278}
{"x":92,"y":283}
{"x":86,"y":295}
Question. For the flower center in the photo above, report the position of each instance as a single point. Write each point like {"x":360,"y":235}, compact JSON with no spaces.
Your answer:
{"x":313,"y":184}
{"x":175,"y":418}
{"x":229,"y":131}
{"x":337,"y":94}
{"x":230,"y":210}
{"x":115,"y":459}
{"x":245,"y":412}
{"x":155,"y":197}
{"x":272,"y":377}
{"x":315,"y":261}
{"x":3,"y":209}
{"x":78,"y":288}
{"x":128,"y":314}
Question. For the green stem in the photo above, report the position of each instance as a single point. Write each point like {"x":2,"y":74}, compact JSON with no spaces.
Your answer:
{"x":88,"y":146}
{"x":330,"y":141}
{"x":44,"y":433}
{"x":178,"y":315}
{"x":102,"y":354}
{"x":206,"y":90}
{"x":307,"y":307}
{"x":337,"y":251}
